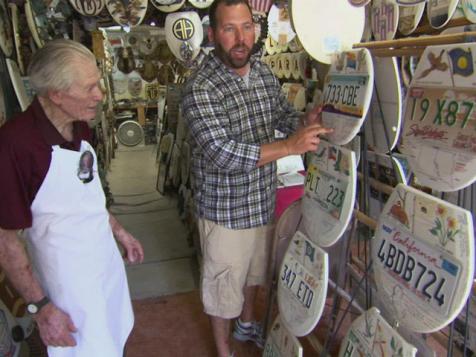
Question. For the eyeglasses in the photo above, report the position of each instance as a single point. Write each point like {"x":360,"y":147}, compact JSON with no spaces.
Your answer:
{"x":85,"y":167}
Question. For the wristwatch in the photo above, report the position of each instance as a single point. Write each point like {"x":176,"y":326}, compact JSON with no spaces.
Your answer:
{"x":35,"y":307}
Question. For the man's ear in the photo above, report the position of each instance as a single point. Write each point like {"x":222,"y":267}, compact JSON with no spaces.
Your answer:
{"x":55,"y":96}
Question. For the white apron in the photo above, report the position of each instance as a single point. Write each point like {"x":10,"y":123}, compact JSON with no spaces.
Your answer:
{"x":77,"y":260}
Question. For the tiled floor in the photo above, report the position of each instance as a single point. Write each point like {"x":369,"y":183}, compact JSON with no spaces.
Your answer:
{"x":169,"y":265}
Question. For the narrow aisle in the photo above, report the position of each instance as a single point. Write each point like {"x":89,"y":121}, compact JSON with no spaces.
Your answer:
{"x":169,"y":265}
{"x":169,"y":317}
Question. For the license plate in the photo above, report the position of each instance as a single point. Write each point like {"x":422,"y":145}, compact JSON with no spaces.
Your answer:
{"x":302,"y":285}
{"x":424,"y":271}
{"x":345,"y":94}
{"x":442,"y":117}
{"x":327,"y":190}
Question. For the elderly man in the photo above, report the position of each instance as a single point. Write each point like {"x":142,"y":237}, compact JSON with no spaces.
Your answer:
{"x":75,"y":285}
{"x":233,"y":104}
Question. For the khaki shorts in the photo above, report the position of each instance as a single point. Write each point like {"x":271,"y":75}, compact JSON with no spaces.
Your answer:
{"x":232,"y":259}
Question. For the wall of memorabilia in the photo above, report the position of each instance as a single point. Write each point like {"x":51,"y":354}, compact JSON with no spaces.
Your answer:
{"x":366,"y":269}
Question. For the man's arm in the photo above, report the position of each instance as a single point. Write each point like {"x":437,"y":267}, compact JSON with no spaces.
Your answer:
{"x":133,"y":248}
{"x":55,"y":325}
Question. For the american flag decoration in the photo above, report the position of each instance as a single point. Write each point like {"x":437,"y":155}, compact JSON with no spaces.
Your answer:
{"x":261,"y":5}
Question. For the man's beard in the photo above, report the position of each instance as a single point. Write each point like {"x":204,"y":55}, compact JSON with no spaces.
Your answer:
{"x":229,"y":60}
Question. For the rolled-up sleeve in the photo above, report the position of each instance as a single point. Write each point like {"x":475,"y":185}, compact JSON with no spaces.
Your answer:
{"x":208,"y":123}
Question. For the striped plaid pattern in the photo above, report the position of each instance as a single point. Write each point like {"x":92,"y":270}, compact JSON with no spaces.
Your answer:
{"x":228,"y":122}
{"x":261,"y":5}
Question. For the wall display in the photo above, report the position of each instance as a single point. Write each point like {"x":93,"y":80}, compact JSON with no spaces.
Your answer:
{"x":279,"y":68}
{"x":302,"y":285}
{"x":329,"y":196}
{"x":371,"y":335}
{"x":410,"y":2}
{"x":409,"y":17}
{"x":281,"y":343}
{"x":304,"y":65}
{"x":355,"y":146}
{"x":146,"y":44}
{"x":367,"y":33}
{"x":88,"y":7}
{"x":295,"y":45}
{"x":388,"y":170}
{"x":164,"y":155}
{"x":469,"y":9}
{"x":48,"y":20}
{"x":271,"y":46}
{"x":151,"y":91}
{"x":207,"y":44}
{"x":119,"y":84}
{"x":318,"y":31}
{"x":359,"y":3}
{"x":16,"y":36}
{"x":184,"y":34}
{"x":438,"y":136}
{"x":287,"y":64}
{"x":402,"y":167}
{"x":423,"y":258}
{"x":261,"y":31}
{"x":134,"y":85}
{"x":174,"y":167}
{"x":295,"y":70}
{"x":261,"y":5}
{"x":347,"y":93}
{"x":287,"y":224}
{"x":201,"y":4}
{"x":127,"y":13}
{"x":6,"y":36}
{"x":185,"y":162}
{"x":295,"y":94}
{"x":382,"y":126}
{"x":279,"y":24}
{"x":465,"y":328}
{"x":408,"y":66}
{"x":18,"y":85}
{"x":459,"y":29}
{"x":164,"y":54}
{"x":384,"y":19}
{"x":459,"y":12}
{"x":168,"y":5}
{"x":440,"y":12}
{"x":165,"y":75}
{"x":148,"y":70}
{"x":125,"y":61}
{"x":32,"y":20}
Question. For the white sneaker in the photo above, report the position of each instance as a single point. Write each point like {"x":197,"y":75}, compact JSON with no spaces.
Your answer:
{"x":253,"y":332}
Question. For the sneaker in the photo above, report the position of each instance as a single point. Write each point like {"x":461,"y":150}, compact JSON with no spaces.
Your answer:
{"x":253,"y":332}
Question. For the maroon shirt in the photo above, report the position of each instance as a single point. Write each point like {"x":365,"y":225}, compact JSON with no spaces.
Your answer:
{"x":25,"y":155}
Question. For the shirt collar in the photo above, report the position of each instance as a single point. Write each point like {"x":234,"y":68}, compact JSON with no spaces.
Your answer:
{"x":49,"y":132}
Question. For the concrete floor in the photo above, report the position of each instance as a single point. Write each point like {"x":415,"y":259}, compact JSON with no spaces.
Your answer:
{"x":169,"y":265}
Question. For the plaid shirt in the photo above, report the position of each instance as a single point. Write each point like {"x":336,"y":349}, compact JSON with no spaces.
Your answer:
{"x":229,"y":121}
